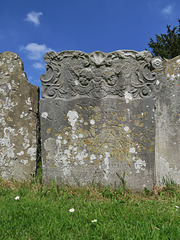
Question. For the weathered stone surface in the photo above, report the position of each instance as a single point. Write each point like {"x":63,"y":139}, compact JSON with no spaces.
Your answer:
{"x":168,"y":122}
{"x":97,"y":118}
{"x":18,"y":119}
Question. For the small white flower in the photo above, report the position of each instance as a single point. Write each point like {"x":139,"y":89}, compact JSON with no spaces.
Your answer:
{"x":17,"y":198}
{"x":94,"y":220}
{"x":71,"y":210}
{"x":177,"y":207}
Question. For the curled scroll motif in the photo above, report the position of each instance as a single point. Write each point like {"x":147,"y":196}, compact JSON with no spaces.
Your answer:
{"x":72,"y":74}
{"x":53,"y":91}
{"x":157,"y":63}
{"x":146,"y":81}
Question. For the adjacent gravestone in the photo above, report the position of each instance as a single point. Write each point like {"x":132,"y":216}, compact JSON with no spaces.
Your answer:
{"x":97,"y":118}
{"x":18,"y":119}
{"x":168,"y":122}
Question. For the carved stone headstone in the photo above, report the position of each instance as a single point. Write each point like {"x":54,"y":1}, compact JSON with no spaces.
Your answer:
{"x":97,"y":118}
{"x":18,"y":119}
{"x":168,"y":122}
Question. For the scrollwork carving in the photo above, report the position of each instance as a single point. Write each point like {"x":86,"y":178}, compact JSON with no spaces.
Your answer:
{"x":76,"y":74}
{"x":157,"y":63}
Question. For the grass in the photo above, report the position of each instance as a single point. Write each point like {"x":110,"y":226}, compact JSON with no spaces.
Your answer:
{"x":43,"y":212}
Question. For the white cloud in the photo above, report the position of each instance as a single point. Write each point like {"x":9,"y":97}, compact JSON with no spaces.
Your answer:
{"x":39,"y":65}
{"x":167,"y":10}
{"x":36,"y":51}
{"x":33,"y":17}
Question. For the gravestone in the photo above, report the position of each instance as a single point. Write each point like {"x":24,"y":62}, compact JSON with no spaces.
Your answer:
{"x":168,"y":123}
{"x":98,"y":118}
{"x":18,"y":119}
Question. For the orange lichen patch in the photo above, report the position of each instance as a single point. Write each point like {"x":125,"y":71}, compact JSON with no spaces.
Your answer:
{"x":96,"y":162}
{"x":48,"y":130}
{"x":9,"y":119}
{"x":151,"y":149}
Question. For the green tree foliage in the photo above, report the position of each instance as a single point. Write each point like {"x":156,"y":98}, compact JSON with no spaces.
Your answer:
{"x":167,"y":45}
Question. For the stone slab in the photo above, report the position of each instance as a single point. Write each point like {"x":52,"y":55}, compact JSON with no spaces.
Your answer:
{"x":97,"y":118}
{"x":18,"y":119}
{"x":96,"y":141}
{"x":168,"y":123}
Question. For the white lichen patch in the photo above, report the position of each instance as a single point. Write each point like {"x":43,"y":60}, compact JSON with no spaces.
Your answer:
{"x":10,"y":152}
{"x":132,"y":150}
{"x":75,"y":150}
{"x":81,"y":156}
{"x":11,"y":69}
{"x":68,"y":153}
{"x":20,"y":131}
{"x":80,"y":135}
{"x":74,"y":136}
{"x":2,"y":91}
{"x":58,"y":143}
{"x":139,"y":165}
{"x":23,"y":114}
{"x":157,"y":82}
{"x":6,"y":140}
{"x":28,"y":101}
{"x":128,"y":96}
{"x":126,"y":128}
{"x":173,"y":76}
{"x":20,"y":153}
{"x":64,"y":142}
{"x":76,"y":82}
{"x":24,"y":162}
{"x":26,"y":142}
{"x":59,"y":137}
{"x":9,"y":104}
{"x":8,"y":61}
{"x":72,"y":118}
{"x":9,"y":86}
{"x":106,"y":167}
{"x":65,"y":166}
{"x":92,"y":158}
{"x":92,"y":122}
{"x":31,"y":151}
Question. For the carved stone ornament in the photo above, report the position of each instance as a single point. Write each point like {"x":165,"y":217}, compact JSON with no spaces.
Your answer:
{"x":75,"y":74}
{"x":157,"y":63}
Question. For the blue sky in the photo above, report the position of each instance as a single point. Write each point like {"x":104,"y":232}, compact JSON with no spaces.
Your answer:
{"x":30,"y":28}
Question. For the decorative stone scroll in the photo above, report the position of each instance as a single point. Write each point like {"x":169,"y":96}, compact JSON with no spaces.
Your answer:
{"x":76,"y":74}
{"x":98,"y":118}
